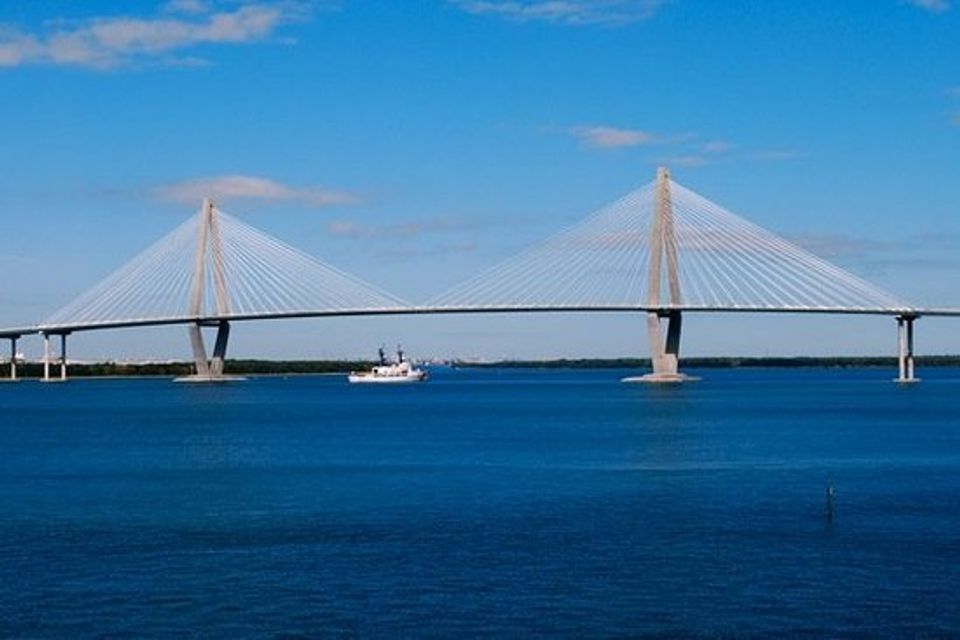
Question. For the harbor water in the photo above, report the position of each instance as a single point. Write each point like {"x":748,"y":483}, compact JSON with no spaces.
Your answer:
{"x":494,"y":502}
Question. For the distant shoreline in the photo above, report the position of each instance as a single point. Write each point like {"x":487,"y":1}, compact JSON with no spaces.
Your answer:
{"x":725,"y":362}
{"x":320,"y":367}
{"x":175,"y":369}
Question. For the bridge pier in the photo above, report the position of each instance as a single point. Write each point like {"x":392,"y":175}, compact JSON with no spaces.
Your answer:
{"x":63,"y":357}
{"x":220,"y":349}
{"x":664,"y":353}
{"x":13,"y":357}
{"x":209,"y":370}
{"x":199,"y":351}
{"x":46,"y":357}
{"x":664,"y":356}
{"x":905,"y":353}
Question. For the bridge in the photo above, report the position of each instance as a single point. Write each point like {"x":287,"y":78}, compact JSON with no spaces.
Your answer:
{"x":661,"y":250}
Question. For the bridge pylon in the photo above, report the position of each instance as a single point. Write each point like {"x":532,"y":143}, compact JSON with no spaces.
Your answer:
{"x":664,"y":353}
{"x":209,"y":250}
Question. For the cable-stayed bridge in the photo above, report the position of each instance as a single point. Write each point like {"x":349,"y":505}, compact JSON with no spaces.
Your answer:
{"x":661,"y":250}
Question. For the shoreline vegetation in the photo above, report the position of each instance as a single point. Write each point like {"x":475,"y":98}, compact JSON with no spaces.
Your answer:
{"x":316,"y":367}
{"x":722,"y":362}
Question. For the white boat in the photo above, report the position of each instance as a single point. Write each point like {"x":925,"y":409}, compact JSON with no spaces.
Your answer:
{"x":398,"y":372}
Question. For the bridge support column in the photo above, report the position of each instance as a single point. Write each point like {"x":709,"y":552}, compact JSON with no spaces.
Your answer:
{"x":199,"y":351}
{"x":46,"y":357}
{"x":220,"y":349}
{"x":13,"y":357}
{"x":905,"y":354}
{"x":63,"y":357}
{"x":209,"y":370}
{"x":664,"y":356}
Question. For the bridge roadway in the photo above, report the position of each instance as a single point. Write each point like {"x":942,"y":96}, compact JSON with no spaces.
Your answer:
{"x":60,"y":329}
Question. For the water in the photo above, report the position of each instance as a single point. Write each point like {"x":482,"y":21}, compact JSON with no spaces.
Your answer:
{"x":496,"y":503}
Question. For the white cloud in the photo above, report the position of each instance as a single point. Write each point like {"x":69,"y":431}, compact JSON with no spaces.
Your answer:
{"x":933,"y":6}
{"x":717,"y":147}
{"x":350,"y":229}
{"x":688,"y":149}
{"x":16,"y":48}
{"x":839,"y":245}
{"x":107,"y":42}
{"x":408,"y":253}
{"x":407,"y":229}
{"x":687,"y":160}
{"x":223,"y":188}
{"x":609,"y":13}
{"x":778,"y":155}
{"x":190,"y":7}
{"x":603,"y":137}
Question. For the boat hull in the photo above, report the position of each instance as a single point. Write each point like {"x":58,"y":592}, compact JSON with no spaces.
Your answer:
{"x":369,"y":379}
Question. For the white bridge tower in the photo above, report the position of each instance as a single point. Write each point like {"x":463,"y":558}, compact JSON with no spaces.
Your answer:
{"x":209,"y":249}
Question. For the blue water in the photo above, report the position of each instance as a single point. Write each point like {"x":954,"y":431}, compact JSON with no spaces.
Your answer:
{"x":493,"y":503}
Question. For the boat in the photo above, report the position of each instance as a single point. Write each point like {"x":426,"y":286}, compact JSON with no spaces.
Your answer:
{"x":398,"y":372}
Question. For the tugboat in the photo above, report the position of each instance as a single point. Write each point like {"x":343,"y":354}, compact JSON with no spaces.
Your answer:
{"x":397,"y":372}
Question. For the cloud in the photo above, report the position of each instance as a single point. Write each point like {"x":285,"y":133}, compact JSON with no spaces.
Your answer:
{"x":687,"y":160}
{"x":406,"y":229}
{"x":700,"y":154}
{"x":408,"y":253}
{"x":933,"y":6}
{"x":408,"y":240}
{"x":717,"y":147}
{"x":777,"y":155}
{"x":190,"y":7}
{"x":878,"y":257}
{"x":838,"y":245}
{"x":181,"y":25}
{"x":607,"y":13}
{"x":224,"y":188}
{"x":603,"y":137}
{"x":688,"y":149}
{"x":18,"y":260}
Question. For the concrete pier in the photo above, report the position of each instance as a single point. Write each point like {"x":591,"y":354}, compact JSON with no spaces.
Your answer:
{"x":46,"y":357}
{"x":13,"y":357}
{"x":209,"y":370}
{"x":220,"y":349}
{"x":905,"y":352}
{"x":63,"y":357}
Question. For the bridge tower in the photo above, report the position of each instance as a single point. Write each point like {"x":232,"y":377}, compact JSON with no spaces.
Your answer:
{"x":664,"y":354}
{"x":209,"y":249}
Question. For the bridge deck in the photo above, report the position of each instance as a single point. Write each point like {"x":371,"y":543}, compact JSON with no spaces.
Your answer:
{"x":425,"y":310}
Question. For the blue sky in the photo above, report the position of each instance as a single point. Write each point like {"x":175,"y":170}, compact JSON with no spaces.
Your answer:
{"x":415,"y":143}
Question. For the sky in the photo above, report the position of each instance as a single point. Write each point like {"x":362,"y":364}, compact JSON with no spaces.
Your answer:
{"x":416,"y":143}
